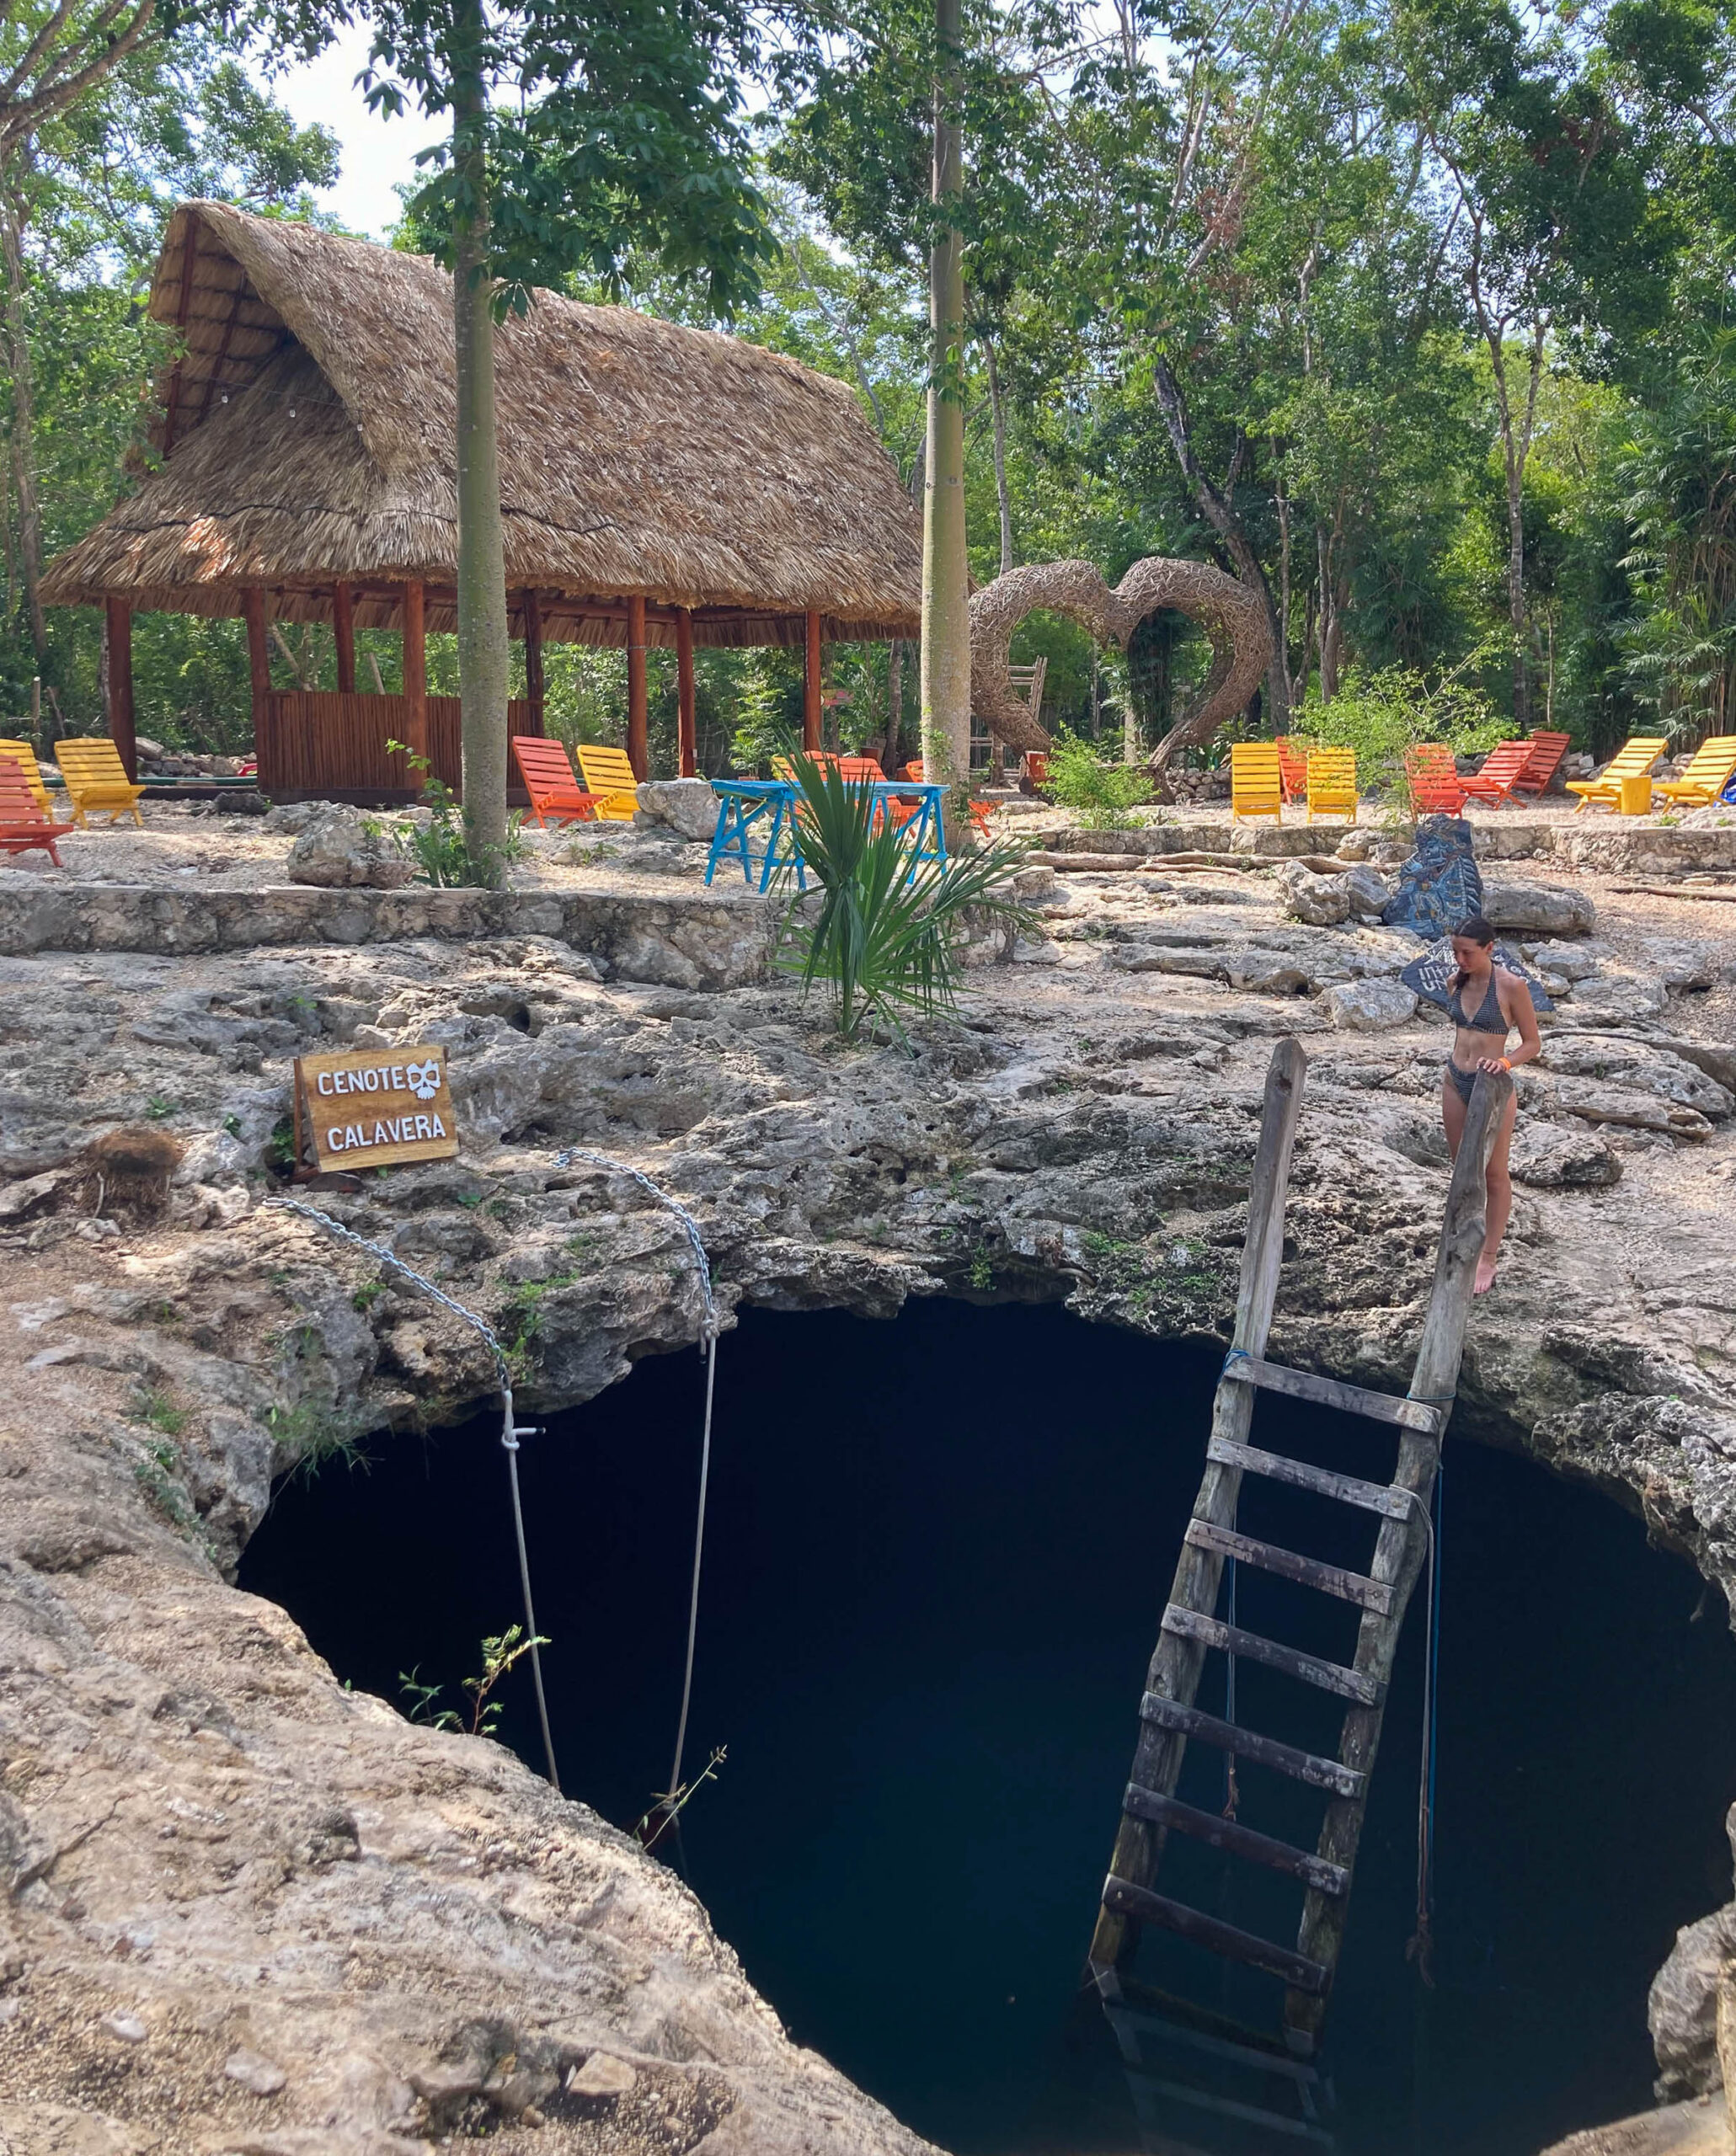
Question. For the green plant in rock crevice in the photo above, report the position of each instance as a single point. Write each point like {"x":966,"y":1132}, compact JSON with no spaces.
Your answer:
{"x":500,"y":1655}
{"x":884,"y":936}
{"x":1099,"y":794}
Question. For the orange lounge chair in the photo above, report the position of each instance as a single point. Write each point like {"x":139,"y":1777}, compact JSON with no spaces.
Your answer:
{"x":980,"y":811}
{"x":1292,"y":768}
{"x":24,"y":828}
{"x":1436,"y":788}
{"x":1547,"y":750}
{"x":546,"y":770}
{"x":1502,"y":768}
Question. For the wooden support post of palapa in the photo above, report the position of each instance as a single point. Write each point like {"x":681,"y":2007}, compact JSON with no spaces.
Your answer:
{"x":344,"y":637}
{"x":415,"y":673}
{"x":811,"y":685}
{"x":534,"y":679}
{"x":259,"y":669}
{"x":119,"y":685}
{"x":1403,"y":1544}
{"x":686,"y":720}
{"x":1176,"y":1661}
{"x":638,"y":746}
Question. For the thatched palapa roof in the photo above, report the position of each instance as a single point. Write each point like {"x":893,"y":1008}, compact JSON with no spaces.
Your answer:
{"x":309,"y":426}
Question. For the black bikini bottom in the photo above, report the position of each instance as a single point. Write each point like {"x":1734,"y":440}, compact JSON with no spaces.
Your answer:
{"x":1463,"y":1082}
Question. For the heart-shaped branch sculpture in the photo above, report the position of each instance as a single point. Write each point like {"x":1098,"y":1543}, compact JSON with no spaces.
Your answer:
{"x":1232,"y":616}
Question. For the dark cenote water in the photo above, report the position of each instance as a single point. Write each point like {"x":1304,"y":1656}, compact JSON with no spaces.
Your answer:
{"x":935,"y":1556}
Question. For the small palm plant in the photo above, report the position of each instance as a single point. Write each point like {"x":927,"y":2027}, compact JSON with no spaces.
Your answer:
{"x":886,"y":935}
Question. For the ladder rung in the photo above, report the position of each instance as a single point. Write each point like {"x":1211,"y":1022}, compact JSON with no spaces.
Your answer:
{"x":1228,"y":2107}
{"x":1123,"y":1898}
{"x":1142,"y":2022}
{"x":1387,"y":1498}
{"x":1220,"y":1834}
{"x":1308,"y":1571}
{"x":1333,"y":1392}
{"x":1230,"y":1639}
{"x":1265,"y":1751}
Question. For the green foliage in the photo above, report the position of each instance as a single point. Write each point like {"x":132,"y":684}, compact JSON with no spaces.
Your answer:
{"x":152,"y":1405}
{"x":1098,"y":793}
{"x":1382,"y":714}
{"x":439,"y":848}
{"x":500,"y":1657}
{"x":653,"y":1824}
{"x":314,"y":1437}
{"x":885,"y":939}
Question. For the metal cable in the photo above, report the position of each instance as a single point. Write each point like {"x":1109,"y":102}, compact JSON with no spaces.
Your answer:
{"x":708,"y":1347}
{"x":509,"y":1434}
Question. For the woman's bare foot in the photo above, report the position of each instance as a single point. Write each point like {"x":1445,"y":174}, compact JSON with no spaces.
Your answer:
{"x":1485,"y":1273}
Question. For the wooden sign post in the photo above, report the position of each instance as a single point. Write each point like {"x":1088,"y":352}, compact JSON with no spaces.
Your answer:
{"x":374,"y":1108}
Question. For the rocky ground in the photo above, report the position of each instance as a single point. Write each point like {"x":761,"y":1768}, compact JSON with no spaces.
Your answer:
{"x":252,"y":1911}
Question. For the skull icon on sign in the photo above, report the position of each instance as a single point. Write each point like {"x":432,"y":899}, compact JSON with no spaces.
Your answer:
{"x":423,"y":1078}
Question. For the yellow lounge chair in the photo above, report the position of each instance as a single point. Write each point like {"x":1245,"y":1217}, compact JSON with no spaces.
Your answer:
{"x":1332,"y":783}
{"x":96,"y":778}
{"x":1713,"y":768}
{"x":607,"y":773}
{"x":25,"y":756}
{"x":1256,"y":781}
{"x":1632,"y":759}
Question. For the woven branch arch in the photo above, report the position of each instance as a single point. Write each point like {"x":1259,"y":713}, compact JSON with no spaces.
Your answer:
{"x":1232,"y":616}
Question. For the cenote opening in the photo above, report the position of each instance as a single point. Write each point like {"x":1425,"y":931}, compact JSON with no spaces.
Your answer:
{"x":937,"y":1553}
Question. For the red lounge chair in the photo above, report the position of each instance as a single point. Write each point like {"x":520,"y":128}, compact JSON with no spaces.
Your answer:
{"x":1292,"y":768}
{"x":1502,"y":768}
{"x":1547,"y":750}
{"x":546,"y":770}
{"x":1436,"y":788}
{"x":24,"y":828}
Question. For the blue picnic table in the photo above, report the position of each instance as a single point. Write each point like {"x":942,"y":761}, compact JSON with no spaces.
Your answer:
{"x":756,"y":825}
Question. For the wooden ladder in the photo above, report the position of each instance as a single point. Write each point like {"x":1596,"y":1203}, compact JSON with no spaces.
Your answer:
{"x":1191,"y":1628}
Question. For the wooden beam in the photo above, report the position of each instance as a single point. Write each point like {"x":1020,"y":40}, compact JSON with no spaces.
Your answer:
{"x":686,"y":719}
{"x":1301,"y":1766}
{"x":415,"y":671}
{"x":1399,"y":1550}
{"x":1286,"y":1564}
{"x":1218,"y":1832}
{"x":1124,"y":1899}
{"x":638,"y":747}
{"x":259,"y":668}
{"x":1175,"y":1661}
{"x":533,"y":659}
{"x":1302,"y":1475}
{"x":343,"y":630}
{"x":810,"y":685}
{"x":1306,"y":1669}
{"x":119,"y":684}
{"x":1333,"y":1392}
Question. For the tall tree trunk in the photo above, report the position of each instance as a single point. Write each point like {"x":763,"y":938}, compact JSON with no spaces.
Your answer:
{"x":998,"y":408}
{"x":1219,"y":511}
{"x":484,"y":653}
{"x":946,"y":569}
{"x":24,"y":423}
{"x":894,"y":702}
{"x":1516,"y":430}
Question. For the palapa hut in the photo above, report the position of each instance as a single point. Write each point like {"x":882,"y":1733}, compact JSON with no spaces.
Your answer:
{"x":660,"y":486}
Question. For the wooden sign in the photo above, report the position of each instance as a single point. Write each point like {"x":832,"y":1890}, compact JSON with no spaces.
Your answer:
{"x":374,"y":1108}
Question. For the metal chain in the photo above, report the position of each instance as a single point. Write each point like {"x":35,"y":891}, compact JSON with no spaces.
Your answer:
{"x":708,"y":1329}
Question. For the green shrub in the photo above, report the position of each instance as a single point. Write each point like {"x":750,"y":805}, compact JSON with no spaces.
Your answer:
{"x":884,"y":937}
{"x":1380,"y":715}
{"x":1099,"y":794}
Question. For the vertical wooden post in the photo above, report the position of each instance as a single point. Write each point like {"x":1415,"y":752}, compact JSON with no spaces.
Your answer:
{"x":533,"y":660}
{"x":415,"y":672}
{"x":811,"y":685}
{"x":259,"y":668}
{"x":686,"y":719}
{"x":120,"y":685}
{"x":1174,"y":1671}
{"x":1402,"y":1544}
{"x":343,"y":632}
{"x":638,"y":748}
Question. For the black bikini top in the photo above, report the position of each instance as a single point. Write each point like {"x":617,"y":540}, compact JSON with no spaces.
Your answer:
{"x":1490,"y":1018}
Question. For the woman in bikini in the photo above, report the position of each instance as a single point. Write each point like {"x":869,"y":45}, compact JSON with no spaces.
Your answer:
{"x":1485,"y":1003}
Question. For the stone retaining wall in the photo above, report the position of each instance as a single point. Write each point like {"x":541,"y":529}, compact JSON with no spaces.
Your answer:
{"x":1611,"y":846}
{"x":712,"y":941}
